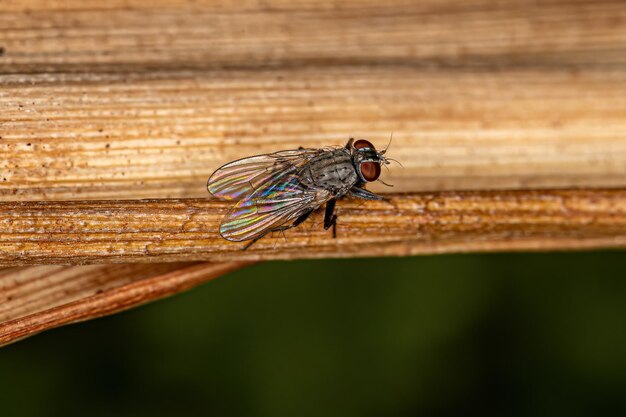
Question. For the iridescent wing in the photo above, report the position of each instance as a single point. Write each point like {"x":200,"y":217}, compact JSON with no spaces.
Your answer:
{"x":273,"y":206}
{"x":238,"y":179}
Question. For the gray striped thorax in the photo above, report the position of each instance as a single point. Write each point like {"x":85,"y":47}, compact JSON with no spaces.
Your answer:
{"x":331,"y":170}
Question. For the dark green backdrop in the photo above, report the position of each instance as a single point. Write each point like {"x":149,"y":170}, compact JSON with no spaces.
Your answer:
{"x":507,"y":334}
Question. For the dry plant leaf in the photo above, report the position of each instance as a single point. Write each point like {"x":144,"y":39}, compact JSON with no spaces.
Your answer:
{"x":128,"y":99}
{"x":33,"y":299}
{"x":83,"y":232}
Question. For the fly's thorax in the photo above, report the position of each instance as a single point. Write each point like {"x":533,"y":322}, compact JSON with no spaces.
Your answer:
{"x":333,"y":171}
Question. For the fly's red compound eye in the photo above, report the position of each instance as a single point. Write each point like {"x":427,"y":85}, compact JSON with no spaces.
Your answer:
{"x":362,"y":143}
{"x":370,"y":170}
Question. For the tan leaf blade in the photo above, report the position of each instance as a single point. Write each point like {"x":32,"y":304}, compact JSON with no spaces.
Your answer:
{"x":34,"y":299}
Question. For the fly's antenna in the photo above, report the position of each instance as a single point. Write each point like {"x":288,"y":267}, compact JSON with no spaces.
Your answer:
{"x":387,"y":147}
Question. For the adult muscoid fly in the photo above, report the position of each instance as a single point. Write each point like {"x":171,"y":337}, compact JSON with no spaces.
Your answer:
{"x":278,"y":191}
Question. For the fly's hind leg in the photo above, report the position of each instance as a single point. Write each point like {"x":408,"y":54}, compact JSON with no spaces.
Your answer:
{"x":296,"y":222}
{"x":330,"y":218}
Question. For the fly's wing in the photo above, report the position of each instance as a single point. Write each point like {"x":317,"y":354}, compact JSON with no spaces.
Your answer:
{"x":274,"y":205}
{"x":239,"y":179}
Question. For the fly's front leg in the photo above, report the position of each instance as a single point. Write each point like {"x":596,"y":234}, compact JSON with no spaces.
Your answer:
{"x":330,"y":218}
{"x":364,"y":194}
{"x":296,"y":222}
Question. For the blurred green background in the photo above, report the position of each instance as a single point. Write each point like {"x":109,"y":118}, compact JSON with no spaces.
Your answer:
{"x":512,"y":334}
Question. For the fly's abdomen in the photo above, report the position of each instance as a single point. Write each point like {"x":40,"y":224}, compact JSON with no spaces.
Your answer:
{"x":332,"y":171}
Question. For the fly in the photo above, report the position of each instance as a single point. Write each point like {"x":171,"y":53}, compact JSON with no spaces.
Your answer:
{"x":278,"y":191}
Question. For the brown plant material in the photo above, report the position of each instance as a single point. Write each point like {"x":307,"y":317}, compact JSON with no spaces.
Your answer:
{"x":129,"y":99}
{"x":132,"y":99}
{"x":83,"y":232}
{"x":33,"y":299}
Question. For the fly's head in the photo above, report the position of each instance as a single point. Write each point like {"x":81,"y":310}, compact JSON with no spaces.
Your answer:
{"x":367,"y":160}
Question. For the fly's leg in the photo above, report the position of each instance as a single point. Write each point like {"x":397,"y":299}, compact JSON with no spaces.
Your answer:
{"x":277,"y":229}
{"x":330,"y":218}
{"x":364,"y":194}
{"x":296,"y":222}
